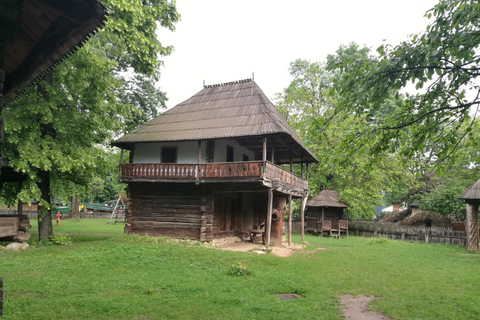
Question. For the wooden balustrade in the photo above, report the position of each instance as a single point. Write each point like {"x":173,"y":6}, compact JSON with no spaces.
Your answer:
{"x":208,"y":171}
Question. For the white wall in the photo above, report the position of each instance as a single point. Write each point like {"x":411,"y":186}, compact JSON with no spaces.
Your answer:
{"x":187,"y":151}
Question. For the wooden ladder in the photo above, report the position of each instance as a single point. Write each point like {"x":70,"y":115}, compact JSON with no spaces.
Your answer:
{"x":115,"y":208}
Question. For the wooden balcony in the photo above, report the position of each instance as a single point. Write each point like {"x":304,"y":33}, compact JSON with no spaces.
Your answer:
{"x":210,"y":172}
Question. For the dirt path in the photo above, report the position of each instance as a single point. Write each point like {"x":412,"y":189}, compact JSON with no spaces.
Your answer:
{"x":355,"y":308}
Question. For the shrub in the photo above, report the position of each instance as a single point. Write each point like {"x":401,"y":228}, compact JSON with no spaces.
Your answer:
{"x":56,"y":239}
{"x":238,"y":270}
{"x":381,"y":240}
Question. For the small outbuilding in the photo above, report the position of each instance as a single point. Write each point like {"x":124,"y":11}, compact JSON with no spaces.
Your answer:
{"x":325,"y":212}
{"x":472,"y":200}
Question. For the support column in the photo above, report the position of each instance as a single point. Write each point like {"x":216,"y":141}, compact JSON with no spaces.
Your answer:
{"x":273,"y":150}
{"x":290,"y":220}
{"x":269,"y":217}
{"x":264,"y":149}
{"x":291,"y":162}
{"x":302,"y":214}
{"x":472,"y":227}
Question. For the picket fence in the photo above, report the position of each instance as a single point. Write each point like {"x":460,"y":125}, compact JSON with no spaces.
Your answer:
{"x":407,"y":233}
{"x":394,"y":231}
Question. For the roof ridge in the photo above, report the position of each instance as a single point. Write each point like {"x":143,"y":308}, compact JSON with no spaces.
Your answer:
{"x":211,"y":118}
{"x":167,"y":113}
{"x":200,"y":95}
{"x":227,"y":83}
{"x":227,"y":126}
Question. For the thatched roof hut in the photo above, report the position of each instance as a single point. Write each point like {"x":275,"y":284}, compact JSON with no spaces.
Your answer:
{"x":428,"y":219}
{"x":397,"y":216}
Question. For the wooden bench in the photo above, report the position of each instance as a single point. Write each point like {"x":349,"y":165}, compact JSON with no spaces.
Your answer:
{"x":253,"y":233}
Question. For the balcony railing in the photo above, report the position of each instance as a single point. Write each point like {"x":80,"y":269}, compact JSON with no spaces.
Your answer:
{"x":249,"y":170}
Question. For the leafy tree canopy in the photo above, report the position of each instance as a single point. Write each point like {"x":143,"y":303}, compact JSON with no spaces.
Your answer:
{"x":438,"y":68}
{"x":305,"y":103}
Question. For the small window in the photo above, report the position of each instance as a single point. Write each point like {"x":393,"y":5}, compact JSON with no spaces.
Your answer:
{"x":169,"y":155}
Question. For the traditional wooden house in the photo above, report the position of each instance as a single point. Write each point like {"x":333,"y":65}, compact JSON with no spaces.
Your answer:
{"x":326,"y":213}
{"x":219,"y":164}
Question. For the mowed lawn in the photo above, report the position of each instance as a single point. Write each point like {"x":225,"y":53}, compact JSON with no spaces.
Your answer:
{"x":131,"y":277}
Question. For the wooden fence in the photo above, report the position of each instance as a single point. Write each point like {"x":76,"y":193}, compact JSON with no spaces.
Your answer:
{"x":396,"y":232}
{"x":407,"y":233}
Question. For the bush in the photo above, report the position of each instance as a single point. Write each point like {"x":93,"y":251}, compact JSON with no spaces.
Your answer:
{"x":56,"y":239}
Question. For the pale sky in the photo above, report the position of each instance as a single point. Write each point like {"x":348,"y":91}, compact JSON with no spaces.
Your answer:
{"x":219,"y":41}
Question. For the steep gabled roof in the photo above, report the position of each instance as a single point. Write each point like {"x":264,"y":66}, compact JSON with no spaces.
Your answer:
{"x":38,"y":35}
{"x":326,"y":198}
{"x":233,"y":110}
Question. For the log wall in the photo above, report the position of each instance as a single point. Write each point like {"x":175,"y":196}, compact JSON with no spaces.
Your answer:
{"x":169,"y":210}
{"x":197,"y":212}
{"x":13,"y":228}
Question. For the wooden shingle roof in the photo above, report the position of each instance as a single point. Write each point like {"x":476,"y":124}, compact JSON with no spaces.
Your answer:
{"x":326,"y":198}
{"x":234,"y":110}
{"x":472,"y":192}
{"x":39,"y":34}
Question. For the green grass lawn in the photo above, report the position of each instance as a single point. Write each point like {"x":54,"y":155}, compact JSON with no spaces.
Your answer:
{"x":131,"y":277}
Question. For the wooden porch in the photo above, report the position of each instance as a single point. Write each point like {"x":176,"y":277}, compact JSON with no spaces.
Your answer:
{"x":334,"y":227}
{"x":210,"y":172}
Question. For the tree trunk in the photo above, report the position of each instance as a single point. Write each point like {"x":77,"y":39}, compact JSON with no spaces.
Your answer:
{"x":74,"y":213}
{"x":278,"y":215}
{"x":45,"y":228}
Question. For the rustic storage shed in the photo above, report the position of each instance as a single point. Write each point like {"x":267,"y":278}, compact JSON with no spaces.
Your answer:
{"x":211,"y":167}
{"x":472,"y":200}
{"x":326,"y":212}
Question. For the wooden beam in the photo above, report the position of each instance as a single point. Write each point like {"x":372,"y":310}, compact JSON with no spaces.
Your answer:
{"x":269,"y":217}
{"x":301,"y":169}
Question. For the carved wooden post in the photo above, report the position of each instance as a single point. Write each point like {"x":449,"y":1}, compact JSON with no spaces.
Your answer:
{"x":279,"y":204}
{"x":290,"y":220}
{"x":269,"y":217}
{"x":302,"y":214}
{"x":472,"y":227}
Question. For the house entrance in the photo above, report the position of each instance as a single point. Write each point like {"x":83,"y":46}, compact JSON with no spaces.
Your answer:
{"x":227,"y":208}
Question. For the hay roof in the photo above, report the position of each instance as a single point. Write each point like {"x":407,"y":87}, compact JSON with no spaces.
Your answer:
{"x":236,"y":110}
{"x":472,"y":192}
{"x":326,"y":198}
{"x":437,"y":218}
{"x":397,"y":216}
